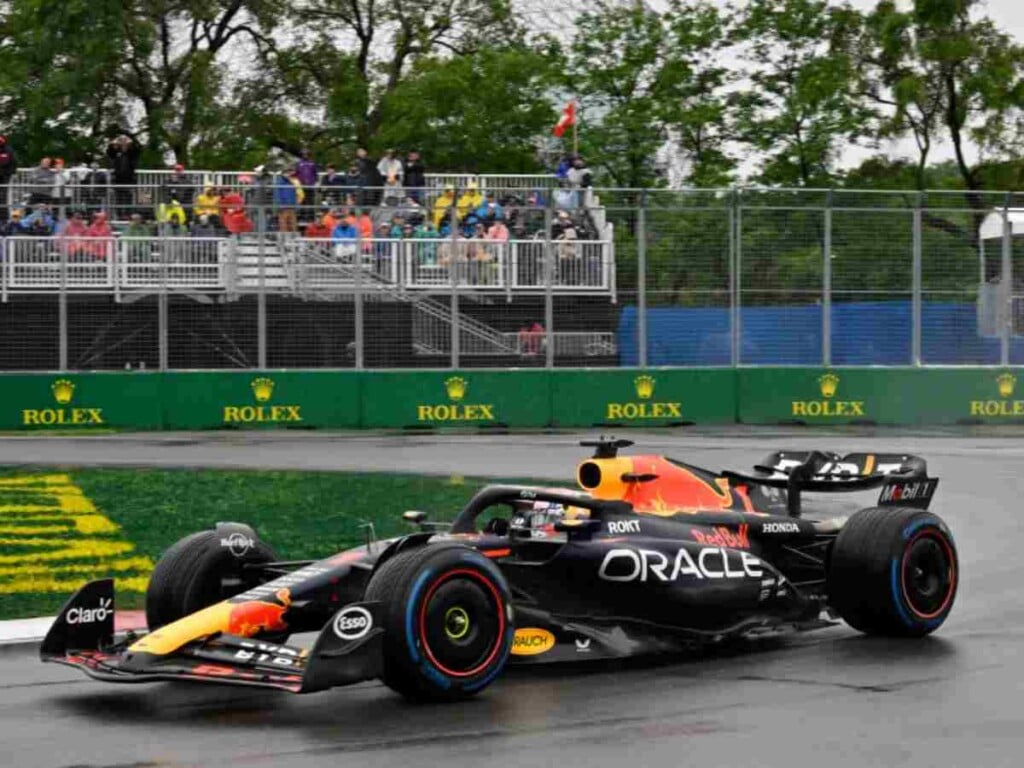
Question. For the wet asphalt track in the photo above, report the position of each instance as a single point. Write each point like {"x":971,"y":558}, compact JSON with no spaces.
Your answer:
{"x":826,"y":699}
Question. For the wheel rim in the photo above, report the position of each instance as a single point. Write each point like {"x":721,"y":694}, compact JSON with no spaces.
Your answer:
{"x":461,"y":623}
{"x":928,"y":574}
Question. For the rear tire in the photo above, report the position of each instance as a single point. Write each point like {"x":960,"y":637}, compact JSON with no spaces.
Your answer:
{"x":893,"y":572}
{"x":447,"y":621}
{"x":198,"y":571}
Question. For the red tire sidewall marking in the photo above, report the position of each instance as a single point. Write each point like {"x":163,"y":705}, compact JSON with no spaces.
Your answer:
{"x":936,"y":535}
{"x":500,"y":608}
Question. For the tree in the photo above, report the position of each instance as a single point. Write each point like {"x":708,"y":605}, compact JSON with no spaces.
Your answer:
{"x":800,"y":108}
{"x":643,"y":77}
{"x":57,"y":63}
{"x":477,"y":113}
{"x":350,"y":56}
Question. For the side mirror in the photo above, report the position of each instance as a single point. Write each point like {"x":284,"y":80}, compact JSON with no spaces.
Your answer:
{"x":414,"y":516}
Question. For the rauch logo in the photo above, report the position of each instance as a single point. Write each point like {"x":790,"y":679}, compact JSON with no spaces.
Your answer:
{"x":828,"y":385}
{"x":1005,"y":406}
{"x":262,"y":392}
{"x":456,"y":388}
{"x":645,"y":407}
{"x":63,"y":393}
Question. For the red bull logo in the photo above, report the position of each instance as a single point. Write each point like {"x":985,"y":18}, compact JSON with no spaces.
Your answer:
{"x":253,"y":616}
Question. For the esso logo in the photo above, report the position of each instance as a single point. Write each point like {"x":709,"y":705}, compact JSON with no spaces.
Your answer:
{"x":353,"y":623}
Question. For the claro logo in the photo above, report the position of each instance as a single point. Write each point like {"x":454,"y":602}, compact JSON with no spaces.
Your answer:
{"x":63,"y":393}
{"x":828,"y":385}
{"x":651,"y":565}
{"x":456,"y":388}
{"x":531,"y":641}
{"x":78,"y":615}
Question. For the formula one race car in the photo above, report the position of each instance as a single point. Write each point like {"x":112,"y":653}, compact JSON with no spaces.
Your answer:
{"x":652,"y":556}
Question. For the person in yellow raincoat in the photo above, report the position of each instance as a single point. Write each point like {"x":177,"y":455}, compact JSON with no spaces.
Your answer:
{"x":442,"y":205}
{"x":469,"y":200}
{"x":207,"y":203}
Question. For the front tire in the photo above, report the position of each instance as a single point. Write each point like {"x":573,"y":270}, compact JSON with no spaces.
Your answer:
{"x":200,"y":570}
{"x":447,"y":620}
{"x":893,"y":572}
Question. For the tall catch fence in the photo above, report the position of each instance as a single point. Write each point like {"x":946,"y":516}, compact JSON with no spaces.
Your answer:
{"x":570,"y":279}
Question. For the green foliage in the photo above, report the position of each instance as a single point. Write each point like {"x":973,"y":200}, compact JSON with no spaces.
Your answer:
{"x":800,"y":111}
{"x":644,"y":76}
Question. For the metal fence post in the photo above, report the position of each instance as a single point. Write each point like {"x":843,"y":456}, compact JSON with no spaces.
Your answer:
{"x":453,"y":270}
{"x":357,"y":302}
{"x":62,"y":311}
{"x":549,"y":291}
{"x":737,"y":281}
{"x":261,"y":297}
{"x":915,"y":343}
{"x":161,"y":309}
{"x":1006,"y":285}
{"x":734,"y":347}
{"x":826,"y":286}
{"x":641,"y":279}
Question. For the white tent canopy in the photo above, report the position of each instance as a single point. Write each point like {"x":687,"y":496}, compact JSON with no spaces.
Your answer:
{"x":992,"y":227}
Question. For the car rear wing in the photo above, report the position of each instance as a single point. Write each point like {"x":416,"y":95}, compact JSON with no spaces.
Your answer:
{"x":903,"y":478}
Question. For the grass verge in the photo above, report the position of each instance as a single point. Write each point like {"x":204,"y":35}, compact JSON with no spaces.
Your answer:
{"x":301,"y":514}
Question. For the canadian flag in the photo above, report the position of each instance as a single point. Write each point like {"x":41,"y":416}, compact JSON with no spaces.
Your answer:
{"x":567,"y":119}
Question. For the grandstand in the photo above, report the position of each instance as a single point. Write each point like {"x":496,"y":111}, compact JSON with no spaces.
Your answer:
{"x":173,"y":299}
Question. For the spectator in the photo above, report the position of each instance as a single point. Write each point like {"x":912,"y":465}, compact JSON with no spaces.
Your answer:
{"x":497,"y":232}
{"x":469,"y":200}
{"x":566,"y":198}
{"x":170,"y":216}
{"x":363,"y":224}
{"x":39,"y":223}
{"x":306,"y":173}
{"x":181,"y":185}
{"x":62,"y":181}
{"x":41,"y":182}
{"x":74,"y":230}
{"x":390,"y":168}
{"x":564,"y":165}
{"x":411,"y":211}
{"x":137,"y":227}
{"x":99,"y":230}
{"x":427,"y":251}
{"x":415,"y":177}
{"x":207,"y":203}
{"x":333,"y":185}
{"x":321,"y":228}
{"x":397,"y":229}
{"x":369,"y":178}
{"x":352,"y":182}
{"x":8,"y":165}
{"x":96,"y":188}
{"x":12,"y":227}
{"x":286,"y":199}
{"x":124,"y":158}
{"x":344,"y":239}
{"x":531,"y":338}
{"x":237,"y":222}
{"x":393,"y":192}
{"x":204,"y":227}
{"x":231,"y":201}
{"x":579,"y":175}
{"x":443,"y":205}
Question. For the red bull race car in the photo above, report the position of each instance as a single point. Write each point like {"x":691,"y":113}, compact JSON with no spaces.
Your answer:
{"x":649,"y":555}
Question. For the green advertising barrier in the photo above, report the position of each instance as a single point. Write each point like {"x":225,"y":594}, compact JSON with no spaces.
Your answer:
{"x":828,"y":396}
{"x":653,"y":397}
{"x":255,"y":399}
{"x":456,"y":399}
{"x":75,"y":401}
{"x":514,"y":399}
{"x":970,"y":396}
